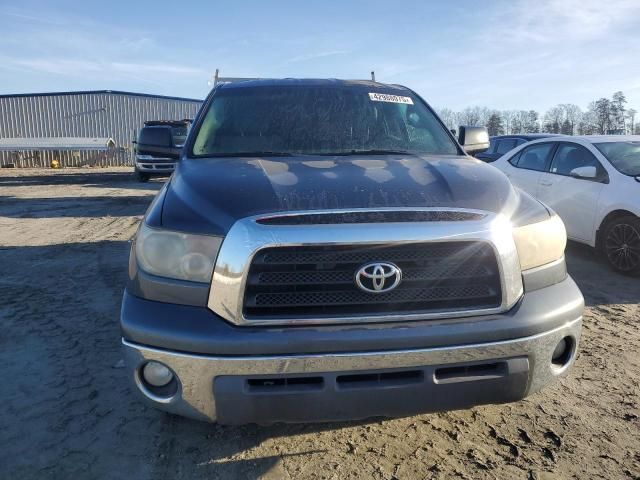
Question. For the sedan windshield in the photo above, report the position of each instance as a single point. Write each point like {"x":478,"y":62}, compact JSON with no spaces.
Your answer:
{"x":312,"y":120}
{"x":624,"y":156}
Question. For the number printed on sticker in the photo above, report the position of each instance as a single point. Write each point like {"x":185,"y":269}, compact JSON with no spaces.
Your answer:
{"x":385,"y":97}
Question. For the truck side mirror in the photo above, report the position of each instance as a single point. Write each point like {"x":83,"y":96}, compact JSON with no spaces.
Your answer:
{"x":473,"y":139}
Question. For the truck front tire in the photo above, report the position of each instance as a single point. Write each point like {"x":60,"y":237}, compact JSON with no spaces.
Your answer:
{"x":142,"y":176}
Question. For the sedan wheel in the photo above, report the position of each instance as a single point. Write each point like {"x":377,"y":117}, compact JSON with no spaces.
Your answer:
{"x":622,"y":245}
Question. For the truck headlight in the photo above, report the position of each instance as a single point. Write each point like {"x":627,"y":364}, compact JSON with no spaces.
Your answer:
{"x":176,"y":255}
{"x":541,"y":242}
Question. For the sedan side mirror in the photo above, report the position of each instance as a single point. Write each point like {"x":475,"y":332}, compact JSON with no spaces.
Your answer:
{"x":588,"y":172}
{"x":473,"y":139}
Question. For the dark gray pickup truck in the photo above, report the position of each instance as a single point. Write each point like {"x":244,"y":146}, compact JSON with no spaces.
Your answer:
{"x":327,"y":250}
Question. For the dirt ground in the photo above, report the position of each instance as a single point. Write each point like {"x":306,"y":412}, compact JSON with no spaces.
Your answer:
{"x":69,"y":412}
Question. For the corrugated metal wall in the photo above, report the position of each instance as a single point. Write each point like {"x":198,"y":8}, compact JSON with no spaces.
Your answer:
{"x":93,"y":114}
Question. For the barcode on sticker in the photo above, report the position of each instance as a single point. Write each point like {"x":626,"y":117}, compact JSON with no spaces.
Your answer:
{"x":385,"y":97}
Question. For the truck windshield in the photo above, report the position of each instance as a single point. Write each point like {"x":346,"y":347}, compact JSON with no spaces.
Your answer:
{"x":311,"y":120}
{"x":179,"y":135}
{"x":624,"y":156}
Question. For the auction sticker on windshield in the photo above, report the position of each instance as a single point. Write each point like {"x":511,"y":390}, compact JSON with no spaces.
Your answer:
{"x":385,"y":97}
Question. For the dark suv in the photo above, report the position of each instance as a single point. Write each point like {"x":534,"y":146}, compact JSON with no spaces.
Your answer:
{"x":501,"y":144}
{"x":151,"y":159}
{"x":327,"y":250}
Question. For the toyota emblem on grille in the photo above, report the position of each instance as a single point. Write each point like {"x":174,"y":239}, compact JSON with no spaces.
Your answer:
{"x":378,"y":277}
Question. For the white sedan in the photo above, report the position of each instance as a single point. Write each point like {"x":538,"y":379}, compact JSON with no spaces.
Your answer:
{"x":593,"y":183}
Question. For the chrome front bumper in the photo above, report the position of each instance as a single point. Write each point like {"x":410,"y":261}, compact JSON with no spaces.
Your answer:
{"x":197,"y":373}
{"x":150,"y":167}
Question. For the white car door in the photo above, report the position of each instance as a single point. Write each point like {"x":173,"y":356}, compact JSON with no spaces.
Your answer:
{"x":574,"y":198}
{"x":526,"y":166}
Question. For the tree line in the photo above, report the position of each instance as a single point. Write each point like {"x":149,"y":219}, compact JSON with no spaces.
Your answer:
{"x":602,"y":117}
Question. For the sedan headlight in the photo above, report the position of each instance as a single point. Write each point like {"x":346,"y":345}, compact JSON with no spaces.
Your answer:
{"x":541,"y":242}
{"x":176,"y":255}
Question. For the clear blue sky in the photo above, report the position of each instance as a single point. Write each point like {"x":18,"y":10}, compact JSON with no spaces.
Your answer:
{"x":518,"y":54}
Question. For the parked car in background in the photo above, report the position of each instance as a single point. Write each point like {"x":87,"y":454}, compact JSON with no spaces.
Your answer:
{"x":152,"y":160}
{"x":593,"y":183}
{"x":501,"y":144}
{"x":326,"y":250}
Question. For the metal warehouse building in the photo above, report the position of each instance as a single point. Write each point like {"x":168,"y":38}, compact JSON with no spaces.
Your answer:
{"x":91,"y":114}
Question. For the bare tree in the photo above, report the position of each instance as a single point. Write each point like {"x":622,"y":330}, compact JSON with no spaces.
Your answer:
{"x":449,"y":117}
{"x":485,"y":114}
{"x":602,"y":114}
{"x":532,"y":124}
{"x":470,"y":116}
{"x":573,"y":115}
{"x":631,"y":115}
{"x":588,"y":122}
{"x":617,"y":105}
{"x":563,"y":118}
{"x":566,"y":128}
{"x":553,"y":119}
{"x":508,"y":119}
{"x":494,"y":124}
{"x":522,"y":122}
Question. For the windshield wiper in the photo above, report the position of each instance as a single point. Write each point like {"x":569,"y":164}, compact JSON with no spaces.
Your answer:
{"x":252,"y":154}
{"x":372,"y":152}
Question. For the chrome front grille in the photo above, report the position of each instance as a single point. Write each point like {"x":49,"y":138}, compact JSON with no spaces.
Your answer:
{"x":295,"y":268}
{"x":302,"y":281}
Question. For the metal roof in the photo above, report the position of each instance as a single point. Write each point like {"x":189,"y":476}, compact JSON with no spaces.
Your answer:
{"x":55,"y":144}
{"x":89,"y":92}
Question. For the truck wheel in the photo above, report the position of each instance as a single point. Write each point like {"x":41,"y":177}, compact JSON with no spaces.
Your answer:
{"x":142,"y":176}
{"x":621,"y":245}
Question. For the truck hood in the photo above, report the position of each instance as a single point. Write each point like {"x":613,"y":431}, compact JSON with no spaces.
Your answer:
{"x":207,"y":195}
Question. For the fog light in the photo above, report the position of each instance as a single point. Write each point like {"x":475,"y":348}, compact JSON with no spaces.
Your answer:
{"x":560,"y":349}
{"x":156,"y":374}
{"x":563,"y":352}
